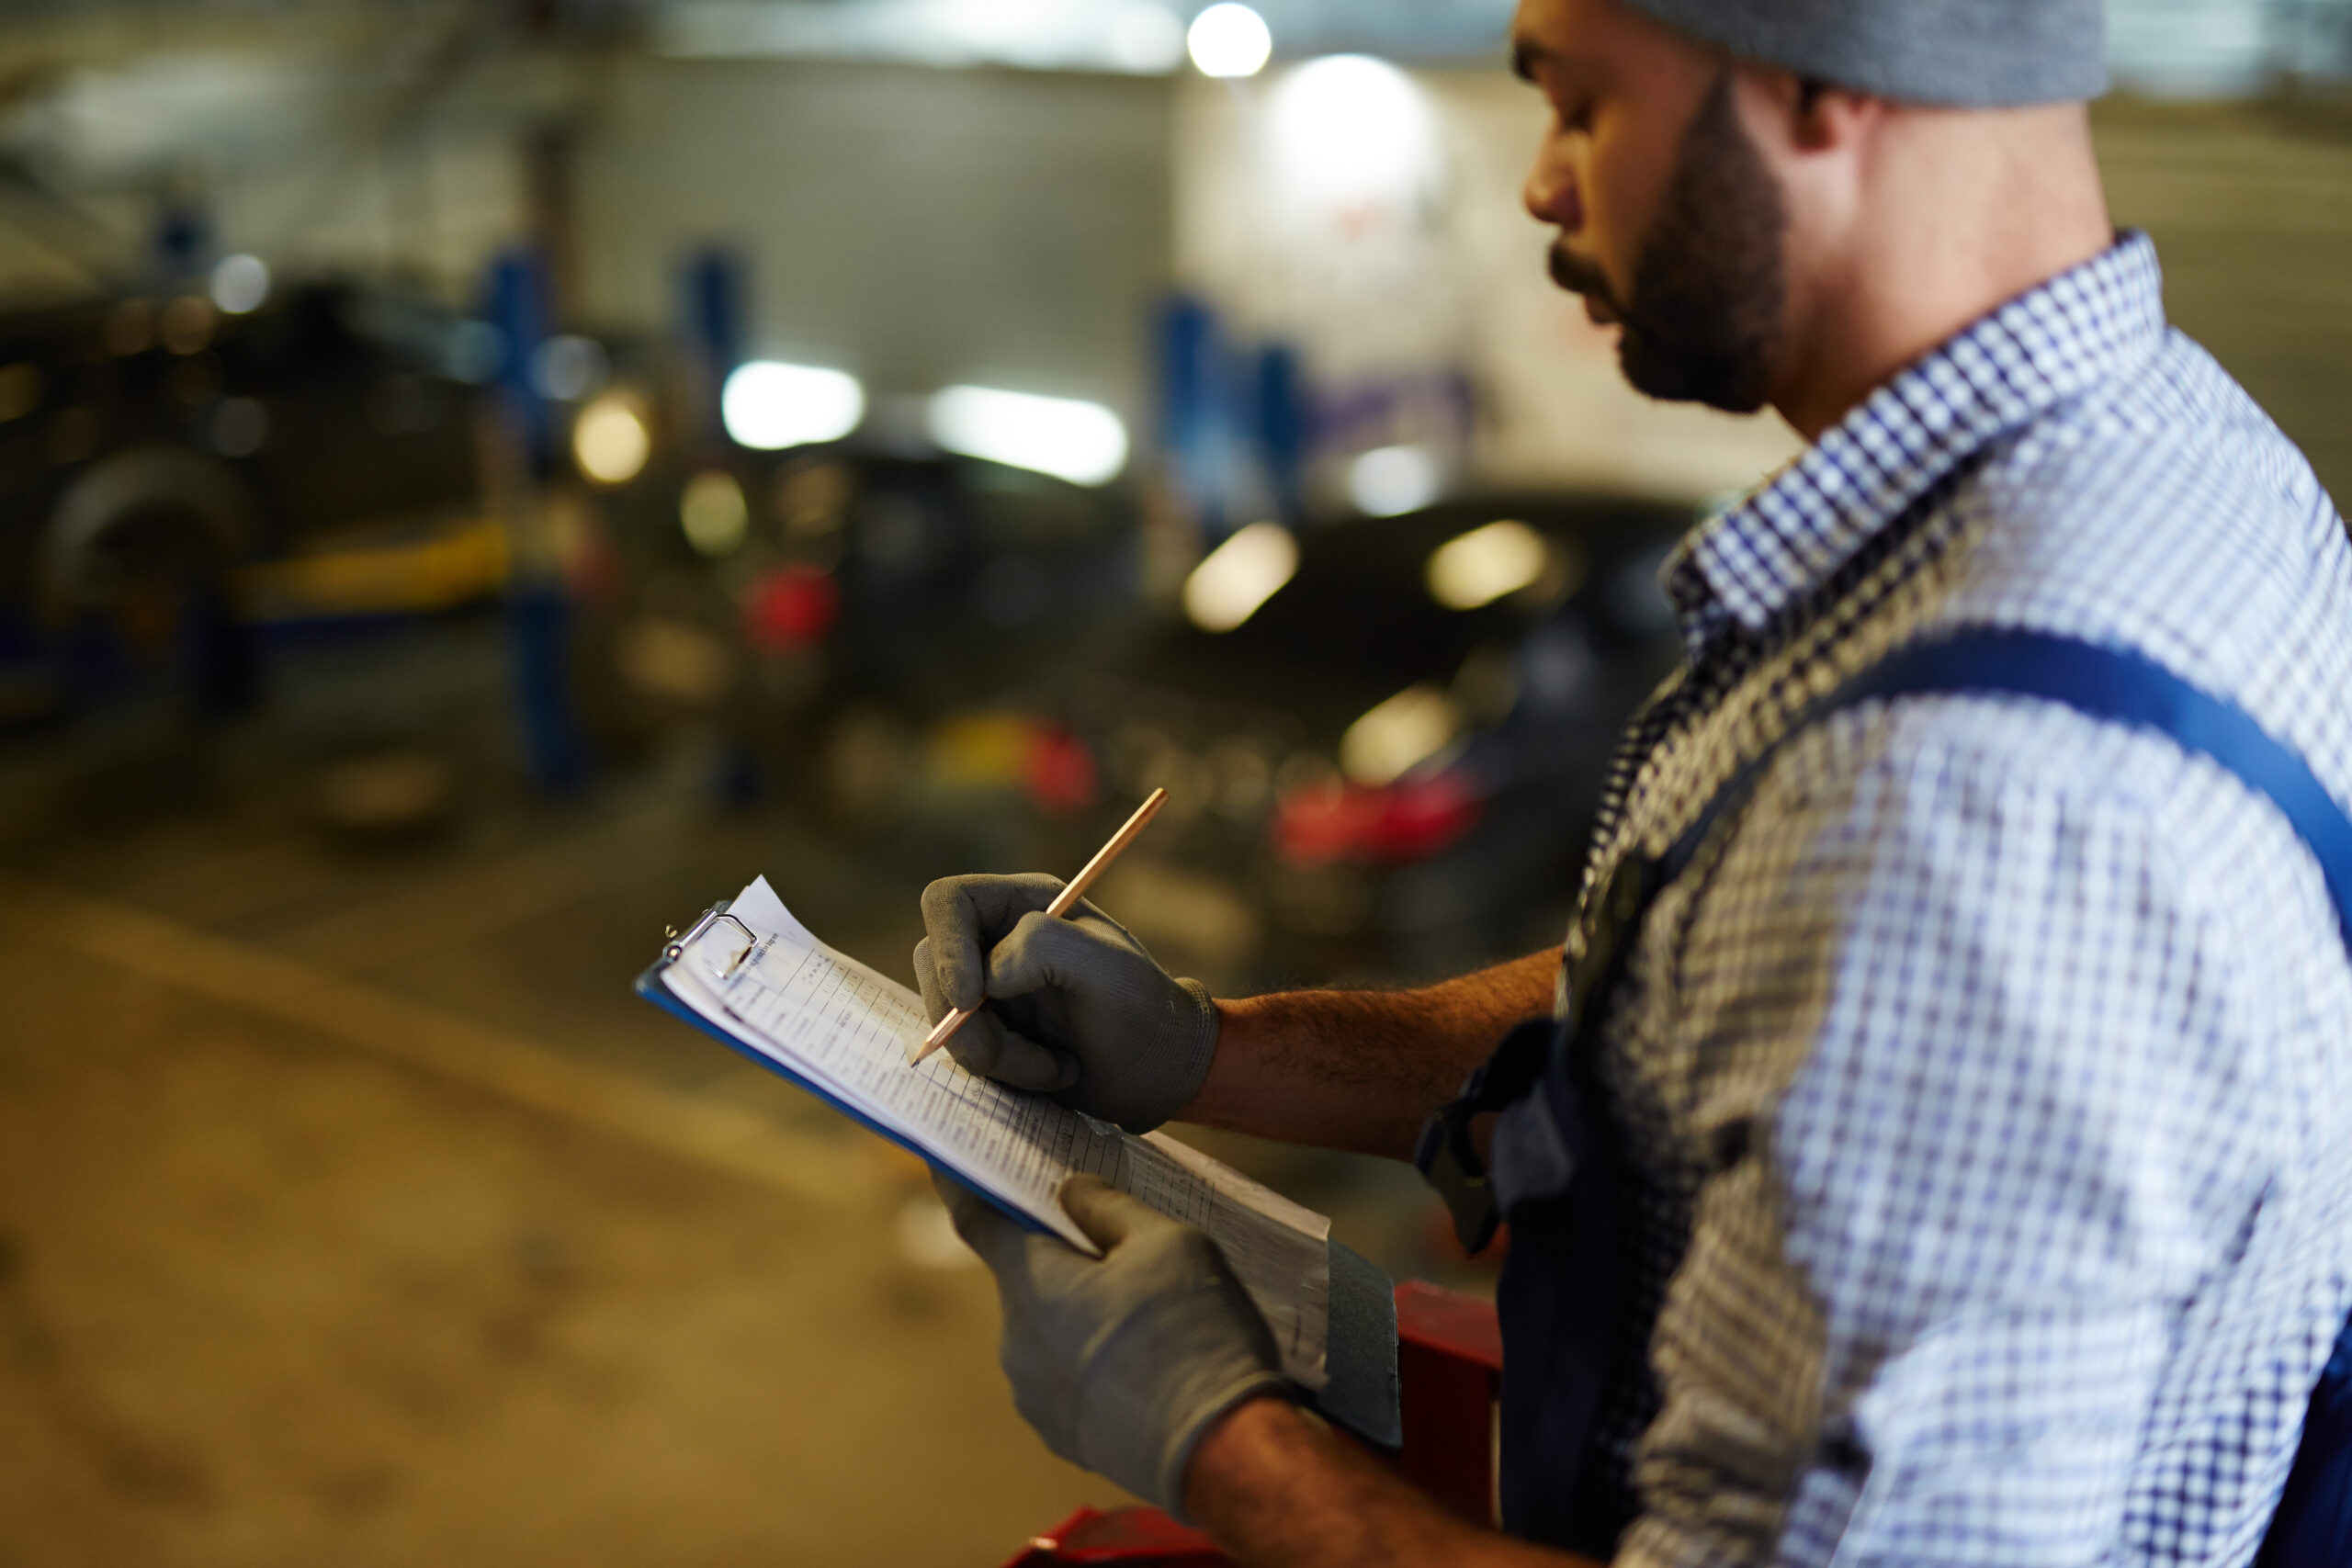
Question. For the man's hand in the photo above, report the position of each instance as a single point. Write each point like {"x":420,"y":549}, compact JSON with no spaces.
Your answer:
{"x":1121,"y":1362}
{"x":1080,"y":1010}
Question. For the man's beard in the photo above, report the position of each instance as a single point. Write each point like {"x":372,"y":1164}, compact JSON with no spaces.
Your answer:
{"x":1703,"y":320}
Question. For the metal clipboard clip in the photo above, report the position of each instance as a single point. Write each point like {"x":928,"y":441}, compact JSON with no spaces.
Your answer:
{"x":676,"y":946}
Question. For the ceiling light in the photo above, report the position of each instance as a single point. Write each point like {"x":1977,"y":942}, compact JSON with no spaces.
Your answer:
{"x":1230,"y":39}
{"x":240,"y":283}
{"x":768,"y":405}
{"x":1481,"y":566}
{"x":1347,"y":130}
{"x":610,"y":441}
{"x":1082,"y":442}
{"x":1240,"y":575}
{"x":1390,"y":480}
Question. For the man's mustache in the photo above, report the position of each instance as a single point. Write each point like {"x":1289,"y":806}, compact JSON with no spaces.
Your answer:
{"x":1579,"y":276}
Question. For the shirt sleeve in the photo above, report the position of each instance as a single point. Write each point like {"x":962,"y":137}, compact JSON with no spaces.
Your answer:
{"x":1950,"y":1038}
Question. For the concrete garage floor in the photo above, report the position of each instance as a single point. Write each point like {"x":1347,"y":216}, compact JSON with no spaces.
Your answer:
{"x":271,"y":1296}
{"x":352,"y":1209}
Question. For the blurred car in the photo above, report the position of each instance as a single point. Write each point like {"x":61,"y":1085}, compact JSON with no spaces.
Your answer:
{"x":1391,"y":763}
{"x":826,"y":604}
{"x":171,"y":475}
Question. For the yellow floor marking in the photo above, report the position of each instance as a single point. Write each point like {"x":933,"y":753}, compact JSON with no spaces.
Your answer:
{"x":728,"y":1137}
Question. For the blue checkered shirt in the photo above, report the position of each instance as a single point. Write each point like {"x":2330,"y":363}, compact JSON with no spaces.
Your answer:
{"x":1988,"y":1083}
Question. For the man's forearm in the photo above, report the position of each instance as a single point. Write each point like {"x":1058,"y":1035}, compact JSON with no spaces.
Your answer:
{"x":1279,"y":1492}
{"x":1359,"y":1070}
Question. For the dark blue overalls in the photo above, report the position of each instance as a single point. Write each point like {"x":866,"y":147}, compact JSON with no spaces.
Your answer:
{"x":1566,"y":1283}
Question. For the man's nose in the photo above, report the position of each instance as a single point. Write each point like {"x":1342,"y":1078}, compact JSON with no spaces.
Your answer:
{"x":1551,"y":194}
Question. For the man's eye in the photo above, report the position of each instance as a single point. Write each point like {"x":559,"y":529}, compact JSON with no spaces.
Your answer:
{"x":1576,"y":117}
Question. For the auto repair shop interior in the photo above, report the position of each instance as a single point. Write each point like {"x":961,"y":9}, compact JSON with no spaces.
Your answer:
{"x":479,"y":482}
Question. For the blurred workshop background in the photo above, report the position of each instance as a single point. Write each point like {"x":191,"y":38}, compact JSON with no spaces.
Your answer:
{"x":480,"y":479}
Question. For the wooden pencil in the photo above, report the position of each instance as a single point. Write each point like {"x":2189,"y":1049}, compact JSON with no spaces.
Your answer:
{"x":1064,"y":902}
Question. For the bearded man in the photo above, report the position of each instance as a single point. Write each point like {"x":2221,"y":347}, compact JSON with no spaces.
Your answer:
{"x":1939,"y":1157}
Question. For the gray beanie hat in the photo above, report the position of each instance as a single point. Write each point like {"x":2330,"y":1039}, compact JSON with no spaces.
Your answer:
{"x":1966,"y":53}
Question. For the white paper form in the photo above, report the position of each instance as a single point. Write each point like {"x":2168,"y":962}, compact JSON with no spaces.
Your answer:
{"x":846,"y":1029}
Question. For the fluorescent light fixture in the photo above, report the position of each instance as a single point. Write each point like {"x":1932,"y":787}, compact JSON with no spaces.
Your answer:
{"x":712,"y":512}
{"x":1390,"y":480}
{"x":240,"y":283}
{"x":1481,"y":566}
{"x":1408,"y":730}
{"x":768,"y":405}
{"x":1142,"y":37}
{"x":610,"y":441}
{"x":1240,"y":575}
{"x":1230,"y":39}
{"x":1082,"y":442}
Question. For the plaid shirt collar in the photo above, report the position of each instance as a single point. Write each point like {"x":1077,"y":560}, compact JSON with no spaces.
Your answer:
{"x":1782,"y":543}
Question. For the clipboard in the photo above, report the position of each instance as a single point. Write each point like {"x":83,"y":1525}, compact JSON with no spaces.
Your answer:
{"x":649,"y":985}
{"x":1360,"y":1352}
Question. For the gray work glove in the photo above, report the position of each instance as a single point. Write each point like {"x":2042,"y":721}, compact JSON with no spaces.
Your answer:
{"x":1121,"y":1362}
{"x":1077,"y":1009}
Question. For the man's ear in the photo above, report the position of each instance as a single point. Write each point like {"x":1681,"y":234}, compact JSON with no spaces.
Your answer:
{"x":1815,"y":116}
{"x":1826,"y":118}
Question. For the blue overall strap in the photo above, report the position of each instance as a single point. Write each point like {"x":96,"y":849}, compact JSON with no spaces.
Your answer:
{"x":2107,"y":683}
{"x":2101,"y":682}
{"x":2312,"y":1528}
